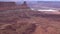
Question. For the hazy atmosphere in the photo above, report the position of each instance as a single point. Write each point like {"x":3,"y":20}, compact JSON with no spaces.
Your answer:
{"x":29,"y":0}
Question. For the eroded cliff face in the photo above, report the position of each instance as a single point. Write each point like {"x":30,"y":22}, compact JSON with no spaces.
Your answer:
{"x":12,"y":6}
{"x":7,"y":4}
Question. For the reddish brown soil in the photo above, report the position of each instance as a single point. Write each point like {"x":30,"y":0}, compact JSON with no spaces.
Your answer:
{"x":28,"y":22}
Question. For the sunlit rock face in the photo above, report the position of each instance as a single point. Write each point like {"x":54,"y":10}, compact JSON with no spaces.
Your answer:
{"x":47,"y":11}
{"x":50,"y":11}
{"x":44,"y":9}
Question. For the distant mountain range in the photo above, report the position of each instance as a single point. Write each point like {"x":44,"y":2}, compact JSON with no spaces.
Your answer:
{"x":50,"y":4}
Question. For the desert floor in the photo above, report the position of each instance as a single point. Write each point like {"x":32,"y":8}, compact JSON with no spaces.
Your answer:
{"x":25,"y":21}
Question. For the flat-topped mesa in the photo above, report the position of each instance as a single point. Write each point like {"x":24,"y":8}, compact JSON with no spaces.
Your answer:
{"x":25,"y":6}
{"x":7,"y":4}
{"x":12,"y":6}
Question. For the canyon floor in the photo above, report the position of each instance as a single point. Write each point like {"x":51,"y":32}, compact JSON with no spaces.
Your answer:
{"x":28,"y":22}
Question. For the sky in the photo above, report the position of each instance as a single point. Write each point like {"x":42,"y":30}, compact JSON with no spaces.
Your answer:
{"x":29,"y":0}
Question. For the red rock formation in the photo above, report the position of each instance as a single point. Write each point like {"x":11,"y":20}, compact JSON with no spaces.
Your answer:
{"x":12,"y":6}
{"x":24,"y":5}
{"x":7,"y":4}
